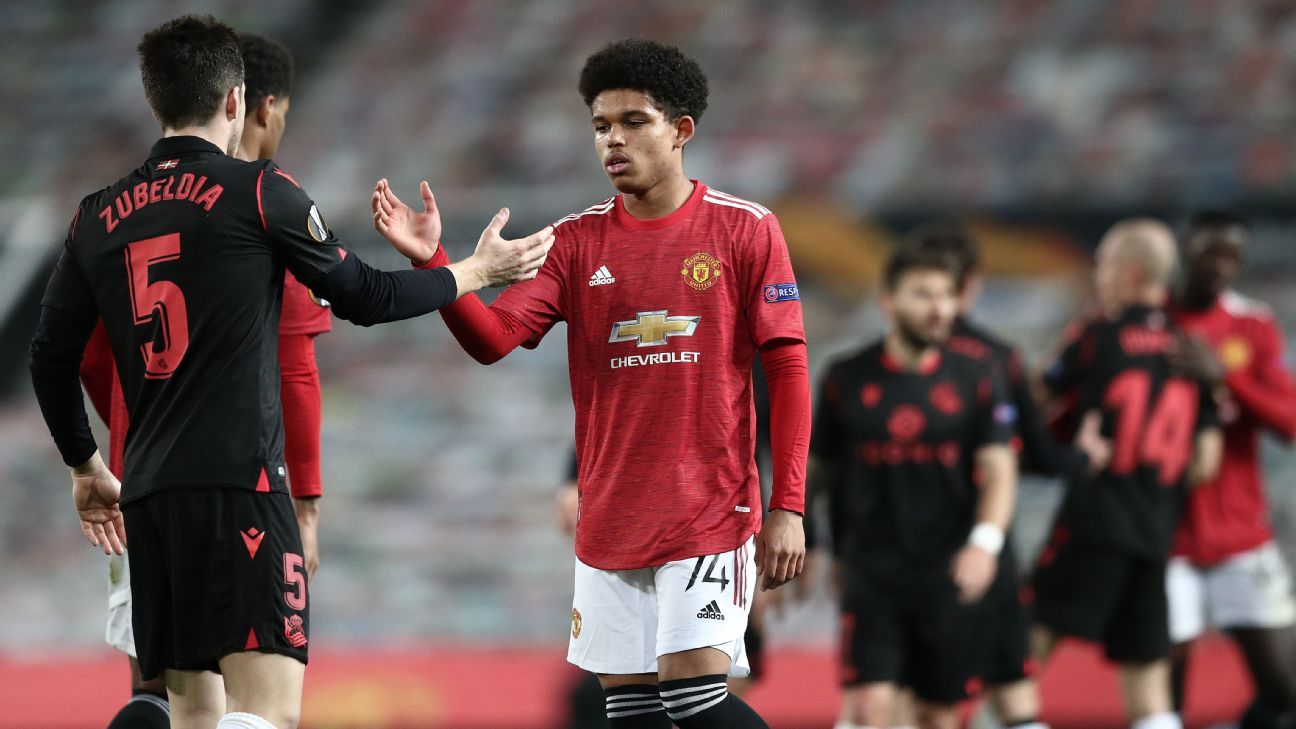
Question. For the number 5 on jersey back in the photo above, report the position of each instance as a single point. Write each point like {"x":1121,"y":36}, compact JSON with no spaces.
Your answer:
{"x":161,"y":299}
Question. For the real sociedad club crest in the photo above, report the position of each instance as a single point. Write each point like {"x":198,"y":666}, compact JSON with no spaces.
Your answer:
{"x":315,"y":225}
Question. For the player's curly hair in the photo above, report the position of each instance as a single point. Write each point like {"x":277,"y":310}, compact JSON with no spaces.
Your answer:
{"x":187,"y":65}
{"x":267,"y":68}
{"x":673,"y":81}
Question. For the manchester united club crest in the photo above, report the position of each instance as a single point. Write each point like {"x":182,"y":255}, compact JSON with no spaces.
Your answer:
{"x":1235,"y":353}
{"x":701,"y":271}
{"x":576,"y":623}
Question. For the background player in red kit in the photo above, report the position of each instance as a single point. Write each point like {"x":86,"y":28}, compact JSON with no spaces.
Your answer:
{"x":268,"y":74}
{"x":183,"y":259}
{"x":669,"y":290}
{"x":1102,"y":575}
{"x":920,"y":437}
{"x":1226,"y":570}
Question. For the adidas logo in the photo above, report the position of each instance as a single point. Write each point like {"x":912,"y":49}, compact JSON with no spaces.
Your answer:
{"x":601,"y":277}
{"x":711,"y":612}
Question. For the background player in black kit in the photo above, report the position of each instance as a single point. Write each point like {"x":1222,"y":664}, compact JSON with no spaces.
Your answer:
{"x":1005,"y":662}
{"x":917,"y":537}
{"x":1102,"y":575}
{"x":184,"y":258}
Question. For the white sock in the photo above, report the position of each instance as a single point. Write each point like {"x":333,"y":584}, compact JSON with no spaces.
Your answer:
{"x":1031,"y":725}
{"x":1165,"y":720}
{"x":241,"y":720}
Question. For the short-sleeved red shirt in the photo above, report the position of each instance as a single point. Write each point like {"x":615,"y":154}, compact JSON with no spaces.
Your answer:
{"x":664,"y":320}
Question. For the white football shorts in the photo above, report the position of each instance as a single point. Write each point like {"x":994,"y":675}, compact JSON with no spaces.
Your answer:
{"x":1252,"y":589}
{"x":622,"y":620}
{"x":120,"y":634}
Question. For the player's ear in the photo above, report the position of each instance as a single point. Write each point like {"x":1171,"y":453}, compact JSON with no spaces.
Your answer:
{"x":684,"y":130}
{"x":263,"y":110}
{"x":234,"y":102}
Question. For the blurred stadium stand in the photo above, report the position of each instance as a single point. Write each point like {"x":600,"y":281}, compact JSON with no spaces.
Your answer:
{"x":1039,"y":123}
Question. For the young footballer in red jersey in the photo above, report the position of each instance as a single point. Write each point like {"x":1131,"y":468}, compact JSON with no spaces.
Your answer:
{"x":670,"y":290}
{"x":268,"y":74}
{"x":1226,"y":570}
{"x":1102,"y":575}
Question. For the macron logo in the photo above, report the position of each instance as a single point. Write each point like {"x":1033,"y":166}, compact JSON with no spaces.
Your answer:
{"x":602,"y":277}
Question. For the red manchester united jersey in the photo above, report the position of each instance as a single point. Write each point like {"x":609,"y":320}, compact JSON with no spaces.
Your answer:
{"x":664,"y":320}
{"x":1230,"y":514}
{"x":302,"y":312}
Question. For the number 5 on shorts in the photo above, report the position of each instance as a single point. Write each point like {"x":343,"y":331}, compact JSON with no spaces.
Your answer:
{"x":295,"y":578}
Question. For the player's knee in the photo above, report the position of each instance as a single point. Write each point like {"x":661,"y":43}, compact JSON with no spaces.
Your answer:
{"x":937,"y":716}
{"x":871,"y":704}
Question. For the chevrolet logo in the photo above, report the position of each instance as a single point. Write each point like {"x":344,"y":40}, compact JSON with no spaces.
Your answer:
{"x":652,"y":328}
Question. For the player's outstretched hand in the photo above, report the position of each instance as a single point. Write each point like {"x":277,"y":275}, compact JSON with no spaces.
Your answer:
{"x":780,"y":549}
{"x":973,"y":570}
{"x":97,"y":495}
{"x":499,"y":261}
{"x":415,"y":235}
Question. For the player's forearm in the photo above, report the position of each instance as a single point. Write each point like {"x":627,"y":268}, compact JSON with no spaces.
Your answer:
{"x":55,"y":364}
{"x":1208,"y":454}
{"x":1271,"y":403}
{"x":1043,"y":454}
{"x":997,"y":471}
{"x":485,"y":334}
{"x":787,"y":372}
{"x":366,"y":296}
{"x":300,"y":395}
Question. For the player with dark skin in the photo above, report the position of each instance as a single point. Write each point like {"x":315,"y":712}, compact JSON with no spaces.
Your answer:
{"x":1214,"y":250}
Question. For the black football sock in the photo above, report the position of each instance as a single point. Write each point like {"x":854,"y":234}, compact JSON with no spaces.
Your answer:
{"x":145,"y":710}
{"x":704,"y":703}
{"x":635,"y":707}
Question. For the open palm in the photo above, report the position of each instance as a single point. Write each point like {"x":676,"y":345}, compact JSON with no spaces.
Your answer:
{"x":416,"y":235}
{"x":97,"y":496}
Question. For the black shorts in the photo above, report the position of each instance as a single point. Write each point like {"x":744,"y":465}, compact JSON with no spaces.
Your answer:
{"x":1106,"y":596}
{"x":923,"y":642}
{"x":1004,"y":655}
{"x":214,"y":571}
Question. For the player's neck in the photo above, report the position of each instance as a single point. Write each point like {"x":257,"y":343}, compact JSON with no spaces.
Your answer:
{"x":911,"y":358}
{"x":218,"y":135}
{"x":661,"y":199}
{"x":1196,"y":300}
